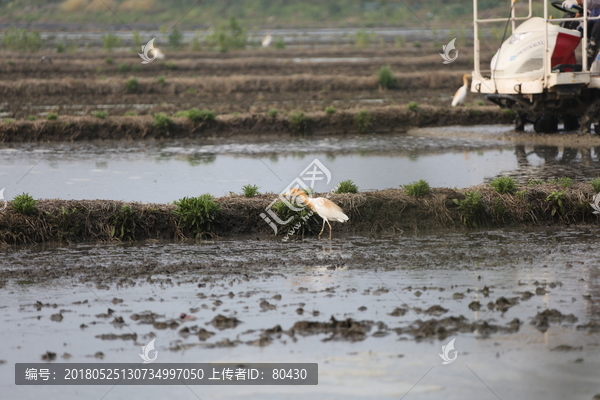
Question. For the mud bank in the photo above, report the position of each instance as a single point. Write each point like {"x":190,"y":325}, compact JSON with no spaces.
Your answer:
{"x":386,"y":211}
{"x":229,"y":84}
{"x":383,"y":119}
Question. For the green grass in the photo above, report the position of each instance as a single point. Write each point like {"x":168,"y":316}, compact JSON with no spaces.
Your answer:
{"x":273,"y":112}
{"x":52,"y":116}
{"x":228,"y":36}
{"x":108,"y":60}
{"x":362,"y":39}
{"x":110,"y":41}
{"x":557,"y":198}
{"x":129,"y":114}
{"x":300,"y":222}
{"x":162,"y":123}
{"x":521,"y":194}
{"x":363,"y":120}
{"x":175,"y":39}
{"x":508,"y":113}
{"x":419,"y":188}
{"x":471,"y":208}
{"x":31,"y":118}
{"x":24,"y":204}
{"x":563,"y":181}
{"x":122,"y":68}
{"x":330,"y":110}
{"x":385,"y":77}
{"x":199,"y":116}
{"x":413,"y":106}
{"x":250,"y":190}
{"x":347,"y":186}
{"x":279,"y":43}
{"x":171,"y":65}
{"x":595,"y":185}
{"x":197,"y":214}
{"x":22,"y":40}
{"x":100,"y":114}
{"x":123,"y":223}
{"x":161,"y":80}
{"x":132,"y":85}
{"x":504,"y":184}
{"x":60,"y":47}
{"x":299,"y":122}
{"x":535,"y":182}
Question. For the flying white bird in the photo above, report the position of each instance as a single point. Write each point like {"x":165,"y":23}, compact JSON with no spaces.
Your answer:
{"x":158,"y":54}
{"x":148,"y":51}
{"x":326,"y":208}
{"x":461,"y":94}
{"x":267,"y":40}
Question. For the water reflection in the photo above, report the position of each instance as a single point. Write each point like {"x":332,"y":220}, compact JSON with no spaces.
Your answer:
{"x":163,"y":171}
{"x":542,"y":162}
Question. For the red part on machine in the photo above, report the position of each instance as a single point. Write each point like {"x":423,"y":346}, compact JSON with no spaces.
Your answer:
{"x":564,"y":51}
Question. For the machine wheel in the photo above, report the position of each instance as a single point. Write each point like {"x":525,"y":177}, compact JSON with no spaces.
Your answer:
{"x":590,"y":117}
{"x":571,"y":122}
{"x":546,"y":124}
{"x":520,"y":121}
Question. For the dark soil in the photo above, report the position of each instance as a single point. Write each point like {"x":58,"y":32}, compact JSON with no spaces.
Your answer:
{"x":384,"y":119}
{"x":386,"y":211}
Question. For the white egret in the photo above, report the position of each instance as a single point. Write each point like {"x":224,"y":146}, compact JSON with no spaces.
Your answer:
{"x":461,"y":94}
{"x":326,"y":208}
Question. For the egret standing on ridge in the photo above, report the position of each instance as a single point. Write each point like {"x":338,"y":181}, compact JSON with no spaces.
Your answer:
{"x":461,"y":94}
{"x":326,"y":208}
{"x":267,"y":40}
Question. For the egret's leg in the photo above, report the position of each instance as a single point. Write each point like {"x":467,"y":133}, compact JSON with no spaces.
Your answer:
{"x":329,"y":230}
{"x":322,"y":229}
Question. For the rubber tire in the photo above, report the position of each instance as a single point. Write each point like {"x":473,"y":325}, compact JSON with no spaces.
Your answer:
{"x":520,"y":121}
{"x":546,"y":124}
{"x":571,"y":122}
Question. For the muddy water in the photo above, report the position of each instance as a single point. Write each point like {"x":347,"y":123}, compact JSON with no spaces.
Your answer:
{"x":164,"y":171}
{"x":57,"y":300}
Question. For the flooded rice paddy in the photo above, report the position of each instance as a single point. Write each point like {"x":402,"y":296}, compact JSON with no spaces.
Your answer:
{"x":163,"y":171}
{"x":522,"y":307}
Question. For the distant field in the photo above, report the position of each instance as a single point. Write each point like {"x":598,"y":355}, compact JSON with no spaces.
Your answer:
{"x":250,"y":81}
{"x":253,"y":13}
